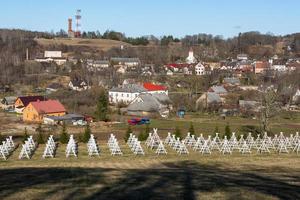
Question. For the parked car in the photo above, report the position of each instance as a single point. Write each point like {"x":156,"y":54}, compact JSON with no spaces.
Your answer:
{"x":138,"y":121}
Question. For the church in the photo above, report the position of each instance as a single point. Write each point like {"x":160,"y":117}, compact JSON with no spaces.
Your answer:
{"x":191,"y":59}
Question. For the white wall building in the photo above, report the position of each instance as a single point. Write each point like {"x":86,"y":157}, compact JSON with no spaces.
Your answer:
{"x":53,"y":54}
{"x":125,"y":93}
{"x":200,"y":69}
{"x":191,"y":59}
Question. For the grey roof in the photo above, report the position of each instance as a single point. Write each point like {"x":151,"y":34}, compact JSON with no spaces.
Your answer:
{"x":117,"y":59}
{"x":66,"y":117}
{"x":149,"y":103}
{"x":10,"y":100}
{"x":219,"y":89}
{"x":101,"y":62}
{"x":244,"y":103}
{"x":162,"y":98}
{"x":232,"y":80}
{"x":129,"y":88}
{"x":213,"y":97}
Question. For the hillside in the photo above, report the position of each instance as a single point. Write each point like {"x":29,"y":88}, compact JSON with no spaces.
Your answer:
{"x":100,"y":44}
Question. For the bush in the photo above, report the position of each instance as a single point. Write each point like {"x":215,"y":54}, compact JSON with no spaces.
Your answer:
{"x":191,"y":129}
{"x":177,"y":133}
{"x":227,"y":131}
{"x":25,"y":135}
{"x":216,"y":130}
{"x":64,"y":138}
{"x":40,"y":138}
{"x":87,"y":134}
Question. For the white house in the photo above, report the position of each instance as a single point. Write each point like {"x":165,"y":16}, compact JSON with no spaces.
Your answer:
{"x":242,"y":57}
{"x":79,"y":85}
{"x":128,"y":92}
{"x":128,"y":62}
{"x":53,"y":54}
{"x":200,"y":69}
{"x":125,"y":93}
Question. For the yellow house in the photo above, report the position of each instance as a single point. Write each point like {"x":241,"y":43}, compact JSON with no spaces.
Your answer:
{"x":35,"y":111}
{"x":22,"y":102}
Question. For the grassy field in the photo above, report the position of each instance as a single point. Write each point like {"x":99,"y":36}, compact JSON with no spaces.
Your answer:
{"x":101,"y":44}
{"x":192,"y":176}
{"x":206,"y":124}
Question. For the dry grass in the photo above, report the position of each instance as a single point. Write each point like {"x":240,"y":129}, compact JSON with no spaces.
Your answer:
{"x":101,"y":44}
{"x":150,"y":177}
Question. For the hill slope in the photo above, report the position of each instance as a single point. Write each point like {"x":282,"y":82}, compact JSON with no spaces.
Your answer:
{"x":101,"y":44}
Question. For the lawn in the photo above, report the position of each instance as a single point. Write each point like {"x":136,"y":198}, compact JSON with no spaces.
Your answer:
{"x":206,"y":124}
{"x":193,"y":176}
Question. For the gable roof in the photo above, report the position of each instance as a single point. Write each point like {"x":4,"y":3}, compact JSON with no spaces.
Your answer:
{"x":213,"y":97}
{"x":152,"y":87}
{"x":218,"y":89}
{"x":148,"y":103}
{"x":9,"y":100}
{"x":118,"y":59}
{"x":27,"y":99}
{"x":232,"y":80}
{"x":129,"y":88}
{"x":50,"y":106}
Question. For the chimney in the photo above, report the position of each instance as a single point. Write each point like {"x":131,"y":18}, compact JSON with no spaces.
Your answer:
{"x":70,"y":25}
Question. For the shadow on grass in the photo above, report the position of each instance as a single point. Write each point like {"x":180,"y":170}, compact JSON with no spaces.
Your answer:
{"x":182,"y":180}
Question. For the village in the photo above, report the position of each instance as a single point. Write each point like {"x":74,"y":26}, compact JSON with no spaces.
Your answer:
{"x":161,"y":109}
{"x":230,"y":94}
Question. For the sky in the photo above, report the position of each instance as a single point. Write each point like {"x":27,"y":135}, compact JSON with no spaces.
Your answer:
{"x":156,"y":17}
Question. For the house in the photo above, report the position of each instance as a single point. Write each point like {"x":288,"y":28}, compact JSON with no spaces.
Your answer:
{"x":22,"y":102}
{"x":200,"y":69}
{"x":232,"y":81}
{"x":36,"y":111}
{"x":153,"y":88}
{"x":242,"y":57}
{"x":4,"y":88}
{"x":97,"y":65}
{"x":191,"y":59}
{"x":149,"y":105}
{"x":279,"y":65}
{"x":128,"y":62}
{"x":261,"y":66}
{"x":208,"y":99}
{"x":78,"y":84}
{"x":68,"y":119}
{"x":246,"y":106}
{"x":220,"y":90}
{"x":52,"y":56}
{"x":125,"y":93}
{"x":177,"y":67}
{"x":53,"y":87}
{"x":296,"y":97}
{"x":8,"y":103}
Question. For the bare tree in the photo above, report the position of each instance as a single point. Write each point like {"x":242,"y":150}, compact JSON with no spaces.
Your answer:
{"x":269,"y":107}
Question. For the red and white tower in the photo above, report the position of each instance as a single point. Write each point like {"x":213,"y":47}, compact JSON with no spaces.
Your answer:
{"x":78,"y":23}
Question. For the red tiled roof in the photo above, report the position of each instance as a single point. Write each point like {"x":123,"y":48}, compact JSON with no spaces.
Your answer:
{"x":50,"y":106}
{"x":175,"y":65}
{"x":153,"y":87}
{"x":27,"y":99}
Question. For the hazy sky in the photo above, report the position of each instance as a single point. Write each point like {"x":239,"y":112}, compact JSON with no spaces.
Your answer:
{"x":157,"y":17}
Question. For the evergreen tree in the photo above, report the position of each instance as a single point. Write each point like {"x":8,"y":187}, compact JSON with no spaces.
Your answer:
{"x":191,"y":129}
{"x":227,"y":131}
{"x":102,"y":106}
{"x":87,"y":134}
{"x":216,"y":129}
{"x":127,"y":135}
{"x":144,"y":134}
{"x":25,"y":136}
{"x":64,"y":134}
{"x":40,"y":138}
{"x":1,"y":138}
{"x":177,"y":133}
